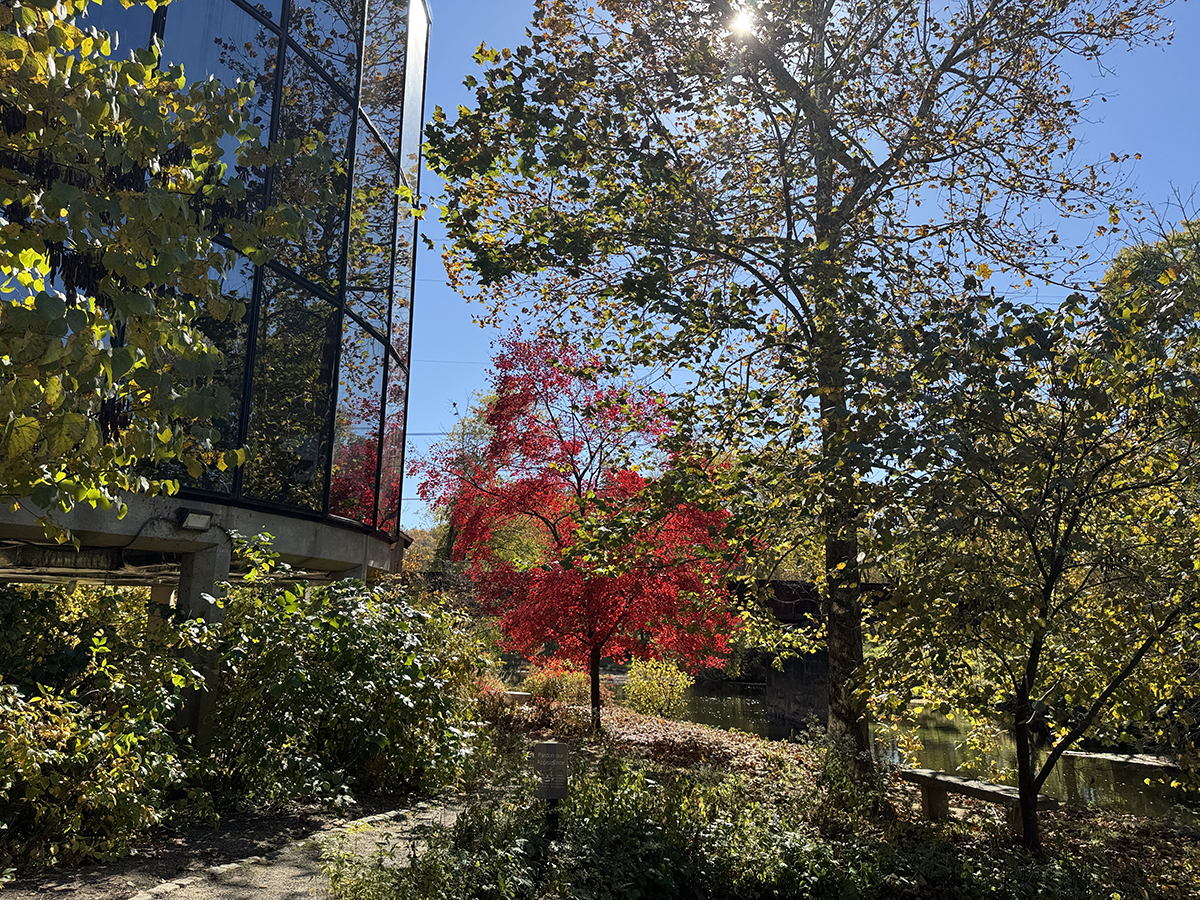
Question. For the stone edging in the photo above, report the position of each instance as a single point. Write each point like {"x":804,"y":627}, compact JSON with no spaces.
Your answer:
{"x":168,"y":887}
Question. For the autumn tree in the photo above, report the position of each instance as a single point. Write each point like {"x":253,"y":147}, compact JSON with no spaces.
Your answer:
{"x":563,"y":445}
{"x":1045,"y":546}
{"x":120,"y":219}
{"x":764,"y":196}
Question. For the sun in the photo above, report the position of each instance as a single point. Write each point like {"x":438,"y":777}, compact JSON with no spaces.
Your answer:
{"x":743,"y":23}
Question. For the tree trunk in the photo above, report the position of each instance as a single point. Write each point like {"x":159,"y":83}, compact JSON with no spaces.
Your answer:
{"x":594,"y":673}
{"x":1030,"y":836}
{"x":847,"y":709}
{"x":831,"y":290}
{"x":843,"y":617}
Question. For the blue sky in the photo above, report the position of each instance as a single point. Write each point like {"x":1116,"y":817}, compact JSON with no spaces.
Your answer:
{"x":1153,"y":108}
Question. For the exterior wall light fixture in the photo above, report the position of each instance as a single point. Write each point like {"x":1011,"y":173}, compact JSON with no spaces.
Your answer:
{"x":193,"y":519}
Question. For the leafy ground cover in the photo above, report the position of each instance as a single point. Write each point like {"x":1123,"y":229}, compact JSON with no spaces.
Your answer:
{"x":668,"y":809}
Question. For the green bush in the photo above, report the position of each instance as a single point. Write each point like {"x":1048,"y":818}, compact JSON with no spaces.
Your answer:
{"x":86,"y":694}
{"x":656,"y":687}
{"x":77,"y":783}
{"x":328,"y":689}
{"x":625,"y":833}
{"x":559,"y":681}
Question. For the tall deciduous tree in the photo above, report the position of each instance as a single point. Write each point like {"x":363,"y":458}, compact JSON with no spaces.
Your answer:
{"x":118,"y":223}
{"x":764,"y":195}
{"x":563,"y":445}
{"x":1051,"y":526}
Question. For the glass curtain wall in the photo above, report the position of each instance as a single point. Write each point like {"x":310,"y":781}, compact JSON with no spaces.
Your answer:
{"x":318,"y":368}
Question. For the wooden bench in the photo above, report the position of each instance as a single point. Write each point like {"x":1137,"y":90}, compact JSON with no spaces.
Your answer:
{"x":936,"y":788}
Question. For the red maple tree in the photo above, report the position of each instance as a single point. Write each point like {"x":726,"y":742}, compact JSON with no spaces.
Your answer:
{"x":560,"y":446}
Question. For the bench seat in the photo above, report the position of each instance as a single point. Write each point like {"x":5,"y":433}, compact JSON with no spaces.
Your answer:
{"x":936,"y":788}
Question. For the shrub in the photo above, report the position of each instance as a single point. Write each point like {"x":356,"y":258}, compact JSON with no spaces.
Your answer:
{"x":626,"y":832}
{"x":75,"y":783}
{"x":634,"y":831}
{"x":656,"y":687}
{"x":559,"y":681}
{"x":86,"y":761}
{"x":328,"y":689}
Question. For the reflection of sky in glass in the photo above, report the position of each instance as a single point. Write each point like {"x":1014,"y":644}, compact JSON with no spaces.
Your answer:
{"x":130,"y":27}
{"x":414,"y":94}
{"x":234,"y":48}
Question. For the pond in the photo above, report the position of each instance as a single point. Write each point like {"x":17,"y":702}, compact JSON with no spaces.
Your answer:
{"x":1099,"y":781}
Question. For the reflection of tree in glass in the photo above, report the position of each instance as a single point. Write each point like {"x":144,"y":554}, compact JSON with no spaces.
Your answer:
{"x":396,"y":395}
{"x":372,"y":211}
{"x":288,"y":443}
{"x":328,"y":31}
{"x":313,"y":122}
{"x":384,"y":56}
{"x":356,"y":431}
{"x":242,"y":59}
{"x":310,"y":110}
{"x":223,"y":387}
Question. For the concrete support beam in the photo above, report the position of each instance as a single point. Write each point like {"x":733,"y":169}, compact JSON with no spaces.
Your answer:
{"x":200,"y":575}
{"x":159,"y":610}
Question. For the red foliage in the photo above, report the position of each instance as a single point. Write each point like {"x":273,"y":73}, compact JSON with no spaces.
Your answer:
{"x":562,"y":443}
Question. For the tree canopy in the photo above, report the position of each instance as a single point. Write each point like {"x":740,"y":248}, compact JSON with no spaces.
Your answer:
{"x":765,"y":202}
{"x":119,"y":221}
{"x":1042,"y":550}
{"x":563,"y":446}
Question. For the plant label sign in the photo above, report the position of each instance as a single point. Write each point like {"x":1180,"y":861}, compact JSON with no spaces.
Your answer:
{"x":552,"y":765}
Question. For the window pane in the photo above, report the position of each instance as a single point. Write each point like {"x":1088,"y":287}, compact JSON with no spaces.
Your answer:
{"x":391,"y":477}
{"x":384,"y":52}
{"x":414,"y":93}
{"x":130,"y":28}
{"x":221,"y":40}
{"x":328,"y":30}
{"x":288,"y":442}
{"x":225,"y":386}
{"x":310,"y":106}
{"x":406,"y":231}
{"x":371,"y":306}
{"x":352,"y":492}
{"x":372,"y":211}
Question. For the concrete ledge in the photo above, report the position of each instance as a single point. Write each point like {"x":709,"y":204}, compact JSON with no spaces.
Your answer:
{"x":145,"y":546}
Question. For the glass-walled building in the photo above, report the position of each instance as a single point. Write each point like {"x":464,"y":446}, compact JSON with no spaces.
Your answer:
{"x":318,"y":366}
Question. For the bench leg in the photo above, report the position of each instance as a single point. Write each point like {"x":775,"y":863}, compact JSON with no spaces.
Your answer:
{"x":935,"y":802}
